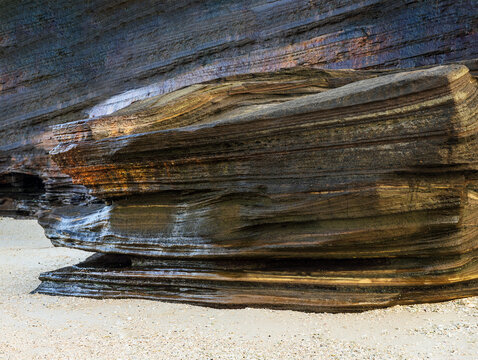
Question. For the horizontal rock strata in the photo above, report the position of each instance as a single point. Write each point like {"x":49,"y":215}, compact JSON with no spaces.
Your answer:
{"x":221,"y":153}
{"x":278,"y":190}
{"x":61,"y":60}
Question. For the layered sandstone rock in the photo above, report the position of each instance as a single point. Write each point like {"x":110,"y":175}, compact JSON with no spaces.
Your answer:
{"x":65,"y":60}
{"x":215,"y":153}
{"x":273,"y":191}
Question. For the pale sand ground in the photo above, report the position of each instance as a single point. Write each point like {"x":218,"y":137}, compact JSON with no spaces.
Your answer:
{"x":45,"y":327}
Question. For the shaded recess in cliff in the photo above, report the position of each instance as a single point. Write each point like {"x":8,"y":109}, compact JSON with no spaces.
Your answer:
{"x":20,"y":194}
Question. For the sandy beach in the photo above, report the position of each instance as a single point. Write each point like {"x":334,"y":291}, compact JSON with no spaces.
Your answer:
{"x":45,"y":327}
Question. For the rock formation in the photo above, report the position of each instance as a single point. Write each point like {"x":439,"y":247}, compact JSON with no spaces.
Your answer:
{"x":217,"y":153}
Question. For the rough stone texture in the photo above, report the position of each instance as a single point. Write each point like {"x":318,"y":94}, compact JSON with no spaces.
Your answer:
{"x":62,"y":60}
{"x":202,"y":149}
{"x":221,"y":194}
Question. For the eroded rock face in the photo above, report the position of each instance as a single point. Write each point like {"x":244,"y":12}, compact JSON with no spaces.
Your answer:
{"x":201,"y":150}
{"x":274,"y":191}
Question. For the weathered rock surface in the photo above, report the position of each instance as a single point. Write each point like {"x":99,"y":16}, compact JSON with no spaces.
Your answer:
{"x":62,"y":60}
{"x":203,"y":151}
{"x":225,"y":194}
